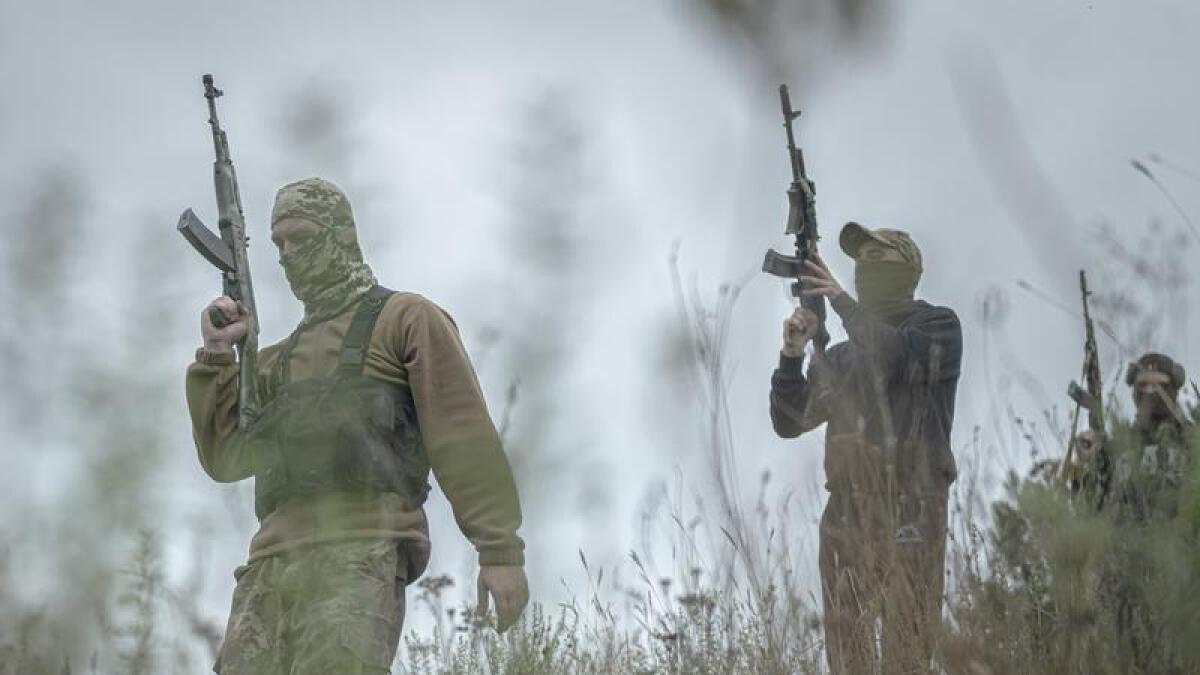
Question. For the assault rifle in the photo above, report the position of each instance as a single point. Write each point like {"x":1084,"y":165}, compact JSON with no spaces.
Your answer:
{"x":802,"y":223}
{"x":227,"y":253}
{"x":1093,"y":478}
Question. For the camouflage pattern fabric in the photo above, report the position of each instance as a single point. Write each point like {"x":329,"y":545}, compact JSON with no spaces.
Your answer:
{"x":332,"y":608}
{"x":1149,"y":477}
{"x":853,"y":236}
{"x":326,"y":272}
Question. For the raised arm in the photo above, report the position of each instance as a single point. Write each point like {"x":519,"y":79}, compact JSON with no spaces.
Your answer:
{"x":212,"y":396}
{"x":799,"y":403}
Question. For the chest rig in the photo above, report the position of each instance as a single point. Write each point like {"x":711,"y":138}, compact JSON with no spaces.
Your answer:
{"x":1150,"y":480}
{"x":344,"y":432}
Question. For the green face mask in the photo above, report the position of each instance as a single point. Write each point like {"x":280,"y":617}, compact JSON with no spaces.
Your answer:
{"x":886,"y":285}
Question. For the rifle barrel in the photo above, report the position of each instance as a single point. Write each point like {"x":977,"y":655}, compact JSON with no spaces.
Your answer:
{"x":212,"y":93}
{"x":785,"y":103}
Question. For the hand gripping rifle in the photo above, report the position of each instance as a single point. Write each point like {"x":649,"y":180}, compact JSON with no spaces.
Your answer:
{"x":802,"y":222}
{"x":1095,"y":475}
{"x":227,"y":253}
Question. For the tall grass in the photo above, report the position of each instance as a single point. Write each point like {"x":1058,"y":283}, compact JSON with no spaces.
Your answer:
{"x":1055,"y":587}
{"x":1039,"y":584}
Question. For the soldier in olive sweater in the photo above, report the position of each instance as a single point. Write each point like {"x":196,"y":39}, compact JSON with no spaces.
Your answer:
{"x":370,"y":392}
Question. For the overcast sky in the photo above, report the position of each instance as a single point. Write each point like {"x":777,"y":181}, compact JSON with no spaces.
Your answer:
{"x":681,"y":143}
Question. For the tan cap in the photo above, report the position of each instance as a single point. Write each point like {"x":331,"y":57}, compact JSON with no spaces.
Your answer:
{"x":853,"y":236}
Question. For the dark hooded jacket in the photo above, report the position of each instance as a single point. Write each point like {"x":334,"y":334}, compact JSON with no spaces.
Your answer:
{"x":892,"y":385}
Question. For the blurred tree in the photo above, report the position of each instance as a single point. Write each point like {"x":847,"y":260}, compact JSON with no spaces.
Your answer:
{"x":89,"y":388}
{"x":41,"y":270}
{"x":319,"y":132}
{"x":316,"y":129}
{"x":791,"y":39}
{"x":543,"y":307}
{"x":1144,"y":297}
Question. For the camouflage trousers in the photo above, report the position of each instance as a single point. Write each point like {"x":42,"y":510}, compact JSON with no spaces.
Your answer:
{"x":329,"y":609}
{"x":882,"y":576}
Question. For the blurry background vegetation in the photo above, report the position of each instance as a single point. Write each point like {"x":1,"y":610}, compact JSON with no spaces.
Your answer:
{"x":589,"y":190}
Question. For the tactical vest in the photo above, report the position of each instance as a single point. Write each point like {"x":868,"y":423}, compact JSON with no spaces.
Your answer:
{"x":342,"y":432}
{"x":1149,"y":481}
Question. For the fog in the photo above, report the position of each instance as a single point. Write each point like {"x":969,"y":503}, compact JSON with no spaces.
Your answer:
{"x":531,"y":167}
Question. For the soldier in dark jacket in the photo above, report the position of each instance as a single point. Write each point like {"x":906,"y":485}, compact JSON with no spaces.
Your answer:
{"x":887,"y":395}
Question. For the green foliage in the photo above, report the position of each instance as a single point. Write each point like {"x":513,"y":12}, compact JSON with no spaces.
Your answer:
{"x":82,"y":417}
{"x":1059,"y":588}
{"x":140,"y":601}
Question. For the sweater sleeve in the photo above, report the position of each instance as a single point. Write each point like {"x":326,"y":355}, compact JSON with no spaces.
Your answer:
{"x":212,"y":398}
{"x":463,"y":445}
{"x":799,"y":403}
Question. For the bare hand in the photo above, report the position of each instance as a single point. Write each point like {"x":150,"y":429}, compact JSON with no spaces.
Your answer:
{"x":237,"y":324}
{"x":821,"y":281}
{"x":1088,"y":443}
{"x":507,"y":584}
{"x":798,"y":329}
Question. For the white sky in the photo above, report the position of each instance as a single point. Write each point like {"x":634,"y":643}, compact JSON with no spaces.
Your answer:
{"x":683,"y":142}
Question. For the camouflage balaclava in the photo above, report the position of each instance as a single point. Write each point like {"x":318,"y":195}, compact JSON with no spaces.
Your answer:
{"x":326,"y":272}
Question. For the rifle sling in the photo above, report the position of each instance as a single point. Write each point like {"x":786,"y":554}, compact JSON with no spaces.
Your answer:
{"x":358,"y":337}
